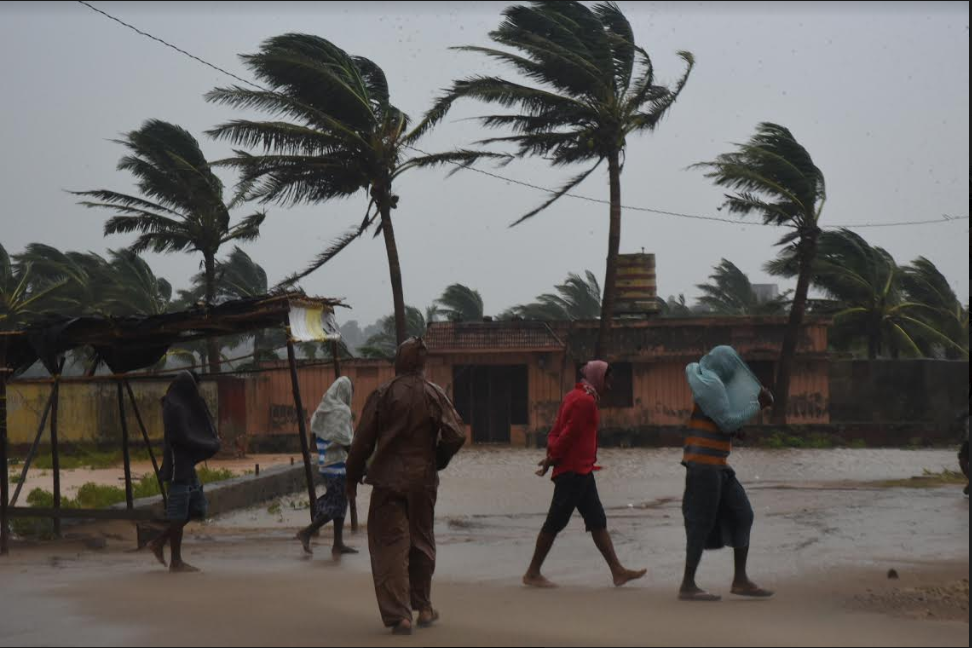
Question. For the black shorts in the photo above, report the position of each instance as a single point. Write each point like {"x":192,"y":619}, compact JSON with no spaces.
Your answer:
{"x":575,"y":492}
{"x":964,"y":452}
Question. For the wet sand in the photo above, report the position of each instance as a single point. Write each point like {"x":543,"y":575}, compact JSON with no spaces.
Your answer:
{"x":826,"y":537}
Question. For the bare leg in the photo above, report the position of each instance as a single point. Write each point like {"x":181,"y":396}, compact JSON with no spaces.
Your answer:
{"x":157,"y":546}
{"x":621,"y":575}
{"x":339,"y":548}
{"x":689,"y":590}
{"x":741,"y":585}
{"x":178,"y":566}
{"x":306,"y":535}
{"x":534,"y":577}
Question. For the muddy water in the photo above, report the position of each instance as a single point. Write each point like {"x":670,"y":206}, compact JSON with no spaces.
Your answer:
{"x":816,"y":510}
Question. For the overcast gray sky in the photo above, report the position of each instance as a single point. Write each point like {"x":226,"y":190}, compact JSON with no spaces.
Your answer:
{"x":878,"y":92}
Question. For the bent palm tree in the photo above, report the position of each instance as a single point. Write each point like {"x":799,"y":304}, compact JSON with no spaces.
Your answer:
{"x":588,"y":99}
{"x":181,"y":207}
{"x":460,"y":303}
{"x":774,"y":177}
{"x":731,"y":293}
{"x":336,"y":134}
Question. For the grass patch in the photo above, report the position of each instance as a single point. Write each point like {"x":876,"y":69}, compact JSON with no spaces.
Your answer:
{"x":98,"y":496}
{"x":87,"y":457}
{"x":783,"y":441}
{"x":928,"y":479}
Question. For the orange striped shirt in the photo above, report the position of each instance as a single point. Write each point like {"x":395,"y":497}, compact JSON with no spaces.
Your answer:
{"x":705,"y":443}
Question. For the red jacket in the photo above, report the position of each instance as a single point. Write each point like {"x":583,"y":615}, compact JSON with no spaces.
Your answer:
{"x":572,"y":443}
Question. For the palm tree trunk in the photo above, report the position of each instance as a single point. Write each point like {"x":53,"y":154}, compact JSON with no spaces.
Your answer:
{"x":394,"y":270}
{"x":614,"y":247}
{"x":212,"y":344}
{"x":807,"y":253}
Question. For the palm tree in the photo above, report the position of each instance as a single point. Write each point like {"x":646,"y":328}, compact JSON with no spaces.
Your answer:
{"x":674,"y":307}
{"x":460,"y":303}
{"x":21,"y":300}
{"x":123,"y":284}
{"x":774,"y":177}
{"x":925,"y":284}
{"x":336,"y":134}
{"x":731,"y":293}
{"x":578,"y":298}
{"x":865,"y":294}
{"x":384,"y":344}
{"x":587,"y":100}
{"x":181,"y":207}
{"x":133,"y":288}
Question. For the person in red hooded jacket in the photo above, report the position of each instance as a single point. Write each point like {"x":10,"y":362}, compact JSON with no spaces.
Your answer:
{"x":572,"y":452}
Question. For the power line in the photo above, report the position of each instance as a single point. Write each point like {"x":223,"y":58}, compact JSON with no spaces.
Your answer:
{"x":600,"y":201}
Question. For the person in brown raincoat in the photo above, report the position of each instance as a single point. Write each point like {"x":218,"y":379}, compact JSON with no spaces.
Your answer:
{"x":409,"y":431}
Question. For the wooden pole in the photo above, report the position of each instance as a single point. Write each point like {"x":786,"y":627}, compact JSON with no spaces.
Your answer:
{"x":56,"y":455}
{"x":33,"y":449}
{"x":126,"y":450}
{"x":4,"y":468}
{"x":148,"y":442}
{"x":301,"y":422}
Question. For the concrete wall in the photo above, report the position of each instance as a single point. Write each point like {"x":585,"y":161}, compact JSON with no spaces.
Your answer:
{"x":898,"y":391}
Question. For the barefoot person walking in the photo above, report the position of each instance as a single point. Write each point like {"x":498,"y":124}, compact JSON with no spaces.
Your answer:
{"x":716,"y":509}
{"x":190,"y":439}
{"x":572,"y":452}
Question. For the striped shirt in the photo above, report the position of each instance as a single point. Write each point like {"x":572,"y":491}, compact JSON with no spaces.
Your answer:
{"x":705,"y":443}
{"x":334,"y":469}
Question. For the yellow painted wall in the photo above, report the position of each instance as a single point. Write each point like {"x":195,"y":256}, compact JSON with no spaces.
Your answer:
{"x":88,"y":410}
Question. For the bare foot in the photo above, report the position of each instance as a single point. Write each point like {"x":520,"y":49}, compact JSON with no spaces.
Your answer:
{"x":305,"y":542}
{"x":750,"y":590}
{"x":696,"y":595}
{"x":428,"y":618}
{"x":183,"y":568}
{"x":538,"y":581}
{"x":158,"y":550}
{"x":337,"y":552}
{"x":403,"y":629}
{"x":625,"y":577}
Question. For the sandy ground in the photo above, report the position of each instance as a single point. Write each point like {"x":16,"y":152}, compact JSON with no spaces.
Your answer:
{"x":826,"y":537}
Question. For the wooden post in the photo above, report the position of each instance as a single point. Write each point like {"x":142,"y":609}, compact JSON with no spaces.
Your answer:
{"x":4,"y":468}
{"x":126,"y":451}
{"x":148,"y":442}
{"x":301,"y":422}
{"x":33,"y":449}
{"x":336,"y":355}
{"x":56,"y":456}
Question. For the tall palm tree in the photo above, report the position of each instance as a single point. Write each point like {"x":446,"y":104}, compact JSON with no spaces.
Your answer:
{"x":578,"y":298}
{"x":384,"y":344}
{"x":336,"y":133}
{"x":180,"y":207}
{"x":774,"y":177}
{"x":460,"y":303}
{"x":21,"y":299}
{"x":730,"y":292}
{"x":865,"y":294}
{"x":586,"y":100}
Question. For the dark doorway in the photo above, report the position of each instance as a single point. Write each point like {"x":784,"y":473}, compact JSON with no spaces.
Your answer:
{"x":491,"y":399}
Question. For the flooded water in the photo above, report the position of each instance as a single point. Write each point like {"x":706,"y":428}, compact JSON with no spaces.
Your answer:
{"x":816,"y":510}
